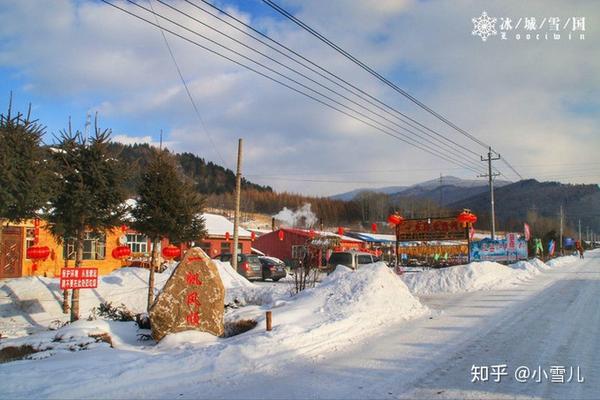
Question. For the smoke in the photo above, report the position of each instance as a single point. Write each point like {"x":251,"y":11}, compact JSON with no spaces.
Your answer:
{"x":303,"y":217}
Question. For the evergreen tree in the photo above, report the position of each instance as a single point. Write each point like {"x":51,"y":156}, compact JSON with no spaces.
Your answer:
{"x":90,"y":194}
{"x":168,"y":206}
{"x":25,"y":179}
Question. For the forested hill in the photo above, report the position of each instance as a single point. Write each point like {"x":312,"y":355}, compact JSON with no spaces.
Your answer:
{"x":210,"y":177}
{"x":528,"y":199}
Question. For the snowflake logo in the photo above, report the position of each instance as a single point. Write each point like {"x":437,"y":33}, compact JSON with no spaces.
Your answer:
{"x":484,"y":26}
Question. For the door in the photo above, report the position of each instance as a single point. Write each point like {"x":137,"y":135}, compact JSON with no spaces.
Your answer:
{"x":11,"y":252}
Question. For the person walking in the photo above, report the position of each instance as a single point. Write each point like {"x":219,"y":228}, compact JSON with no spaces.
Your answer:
{"x":579,"y":248}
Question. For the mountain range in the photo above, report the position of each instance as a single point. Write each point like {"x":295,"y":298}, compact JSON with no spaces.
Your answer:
{"x":444,"y":190}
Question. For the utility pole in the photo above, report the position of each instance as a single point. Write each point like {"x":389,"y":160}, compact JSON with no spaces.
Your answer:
{"x":491,"y":176}
{"x":441,"y":193}
{"x":579,"y":223}
{"x":236,"y":215}
{"x":561,"y":228}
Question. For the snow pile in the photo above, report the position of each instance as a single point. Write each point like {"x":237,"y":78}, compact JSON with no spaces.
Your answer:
{"x":32,"y":304}
{"x":460,"y":278}
{"x":229,"y":276}
{"x":561,"y":261}
{"x":347,"y":302}
{"x":471,"y":277}
{"x":475,"y":276}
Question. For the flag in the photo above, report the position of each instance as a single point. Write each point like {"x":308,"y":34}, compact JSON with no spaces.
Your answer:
{"x":551,"y":247}
{"x":527,"y":232}
{"x":471,"y":232}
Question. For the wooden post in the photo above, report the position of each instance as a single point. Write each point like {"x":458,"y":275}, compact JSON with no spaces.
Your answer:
{"x":269,"y":321}
{"x":236,"y":216}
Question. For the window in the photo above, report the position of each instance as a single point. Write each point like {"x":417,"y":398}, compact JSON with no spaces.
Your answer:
{"x":364,"y":259}
{"x":298,"y":252}
{"x":29,"y":238}
{"x":94,"y":247}
{"x":225,"y":247}
{"x":137,"y":243}
{"x":341,"y":259}
{"x":205,"y":246}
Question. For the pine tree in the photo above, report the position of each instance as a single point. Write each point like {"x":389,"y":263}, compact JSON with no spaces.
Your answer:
{"x":168,"y":206}
{"x":90,"y":194}
{"x":25,"y":179}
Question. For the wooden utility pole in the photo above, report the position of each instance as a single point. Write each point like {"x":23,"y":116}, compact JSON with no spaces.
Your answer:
{"x":491,"y":176}
{"x":561,"y":228}
{"x":236,"y":215}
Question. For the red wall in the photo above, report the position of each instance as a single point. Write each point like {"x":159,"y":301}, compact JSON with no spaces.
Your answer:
{"x":270,"y":244}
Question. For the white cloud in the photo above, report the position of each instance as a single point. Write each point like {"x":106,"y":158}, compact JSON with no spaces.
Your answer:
{"x":518,"y":96}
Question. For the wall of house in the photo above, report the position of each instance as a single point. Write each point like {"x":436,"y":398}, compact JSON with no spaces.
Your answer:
{"x":52,"y":265}
{"x":270,"y":244}
{"x":214,"y":246}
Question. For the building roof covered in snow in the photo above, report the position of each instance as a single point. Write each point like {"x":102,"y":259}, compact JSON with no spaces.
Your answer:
{"x":218,"y":225}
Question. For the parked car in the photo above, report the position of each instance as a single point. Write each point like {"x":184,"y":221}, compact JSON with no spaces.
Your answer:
{"x":272,"y":268}
{"x":249,"y":265}
{"x":350,"y":259}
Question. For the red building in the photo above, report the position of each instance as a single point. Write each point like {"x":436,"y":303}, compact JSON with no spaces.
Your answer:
{"x":290,"y":244}
{"x":219,"y":236}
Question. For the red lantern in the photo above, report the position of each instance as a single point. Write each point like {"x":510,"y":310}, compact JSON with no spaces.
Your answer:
{"x":124,"y":228}
{"x":311,"y":234}
{"x":253,"y":236}
{"x":374,"y":227}
{"x":227,"y":236}
{"x":281,"y":235}
{"x":171,"y":252}
{"x":395,"y":219}
{"x":121,"y":252}
{"x":37,"y":253}
{"x":466,"y":218}
{"x":340,"y":231}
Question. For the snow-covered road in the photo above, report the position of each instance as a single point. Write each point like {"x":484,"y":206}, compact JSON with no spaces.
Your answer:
{"x":550,"y":320}
{"x":553,"y":320}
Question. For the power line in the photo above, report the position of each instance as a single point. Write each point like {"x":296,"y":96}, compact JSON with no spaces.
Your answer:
{"x":295,"y":81}
{"x":354,"y":89}
{"x":413,"y":143}
{"x":187,"y":90}
{"x":377,"y":75}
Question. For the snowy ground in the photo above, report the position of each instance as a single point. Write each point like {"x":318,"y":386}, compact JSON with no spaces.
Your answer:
{"x":358,"y":335}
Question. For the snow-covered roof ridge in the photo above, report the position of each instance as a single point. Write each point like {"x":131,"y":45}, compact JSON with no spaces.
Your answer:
{"x":218,"y":225}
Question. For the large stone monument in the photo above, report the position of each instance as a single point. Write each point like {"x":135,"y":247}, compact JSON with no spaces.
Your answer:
{"x":192,"y":299}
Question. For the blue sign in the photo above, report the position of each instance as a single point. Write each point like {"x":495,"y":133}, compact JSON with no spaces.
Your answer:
{"x":497,"y":250}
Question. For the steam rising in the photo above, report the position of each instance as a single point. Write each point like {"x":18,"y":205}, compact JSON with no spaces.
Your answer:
{"x":303,"y":217}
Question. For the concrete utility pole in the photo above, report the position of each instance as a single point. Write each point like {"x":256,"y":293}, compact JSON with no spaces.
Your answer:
{"x":561,"y":228}
{"x":579,"y":222}
{"x":491,"y":176}
{"x":236,"y":215}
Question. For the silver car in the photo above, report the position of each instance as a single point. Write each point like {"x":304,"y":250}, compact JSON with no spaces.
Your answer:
{"x":350,"y":259}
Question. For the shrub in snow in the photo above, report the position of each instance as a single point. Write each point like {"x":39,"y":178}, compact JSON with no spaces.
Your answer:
{"x":115,"y":313}
{"x":233,"y":328}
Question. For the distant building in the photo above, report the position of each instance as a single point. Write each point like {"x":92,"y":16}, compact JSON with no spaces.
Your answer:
{"x":289,"y":244}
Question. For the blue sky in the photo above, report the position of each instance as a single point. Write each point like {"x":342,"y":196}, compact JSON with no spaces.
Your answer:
{"x":535,"y":102}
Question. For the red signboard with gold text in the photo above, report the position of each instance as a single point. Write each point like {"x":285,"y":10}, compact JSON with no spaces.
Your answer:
{"x":432,"y":229}
{"x":78,"y":278}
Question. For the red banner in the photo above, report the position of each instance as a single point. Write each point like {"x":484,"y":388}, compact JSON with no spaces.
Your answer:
{"x":78,"y":278}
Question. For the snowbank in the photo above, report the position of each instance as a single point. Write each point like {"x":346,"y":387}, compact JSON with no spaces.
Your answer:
{"x":32,"y":304}
{"x":560,"y":261}
{"x":476,"y":276}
